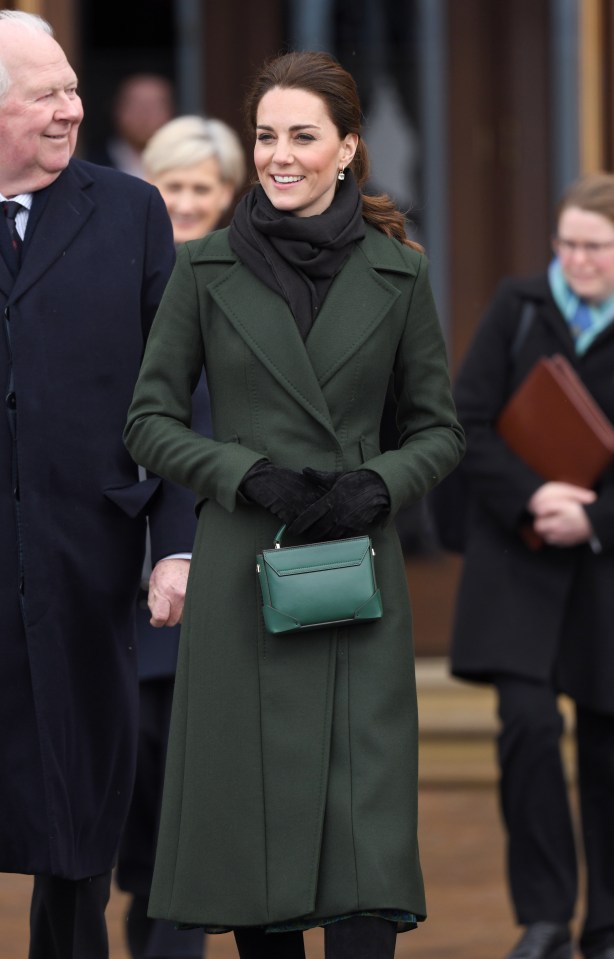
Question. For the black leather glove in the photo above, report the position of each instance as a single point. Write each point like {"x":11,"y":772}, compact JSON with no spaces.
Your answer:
{"x":282,"y":491}
{"x":350,"y":504}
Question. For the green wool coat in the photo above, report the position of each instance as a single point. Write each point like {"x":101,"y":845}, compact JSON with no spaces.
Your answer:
{"x":291,"y":781}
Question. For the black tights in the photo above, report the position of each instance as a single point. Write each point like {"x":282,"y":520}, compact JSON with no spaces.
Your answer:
{"x":253,"y":943}
{"x":361,"y":937}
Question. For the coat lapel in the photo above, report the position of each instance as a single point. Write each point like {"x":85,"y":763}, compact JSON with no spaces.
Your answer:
{"x":63,"y":212}
{"x":7,"y":280}
{"x":356,"y":303}
{"x":264,"y":321}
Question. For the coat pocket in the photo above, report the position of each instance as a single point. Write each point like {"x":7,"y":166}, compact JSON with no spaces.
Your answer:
{"x":134,"y":498}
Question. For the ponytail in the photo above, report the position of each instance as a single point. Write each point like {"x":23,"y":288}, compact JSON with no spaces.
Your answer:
{"x":379,"y":210}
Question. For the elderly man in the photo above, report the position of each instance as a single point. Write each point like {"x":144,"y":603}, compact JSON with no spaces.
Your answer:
{"x":85,"y":253}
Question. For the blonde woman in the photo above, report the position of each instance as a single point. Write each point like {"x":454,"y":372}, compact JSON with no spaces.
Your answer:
{"x":198,"y":165}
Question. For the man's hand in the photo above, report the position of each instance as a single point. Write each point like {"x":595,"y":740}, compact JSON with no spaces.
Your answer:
{"x":167,"y":585}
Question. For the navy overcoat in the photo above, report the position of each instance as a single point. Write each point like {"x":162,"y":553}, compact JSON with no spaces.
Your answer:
{"x":98,"y":253}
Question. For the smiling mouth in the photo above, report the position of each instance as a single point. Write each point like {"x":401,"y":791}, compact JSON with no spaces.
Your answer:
{"x":287,"y":179}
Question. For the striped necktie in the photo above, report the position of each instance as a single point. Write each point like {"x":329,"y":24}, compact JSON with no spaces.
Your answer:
{"x":11,"y":208}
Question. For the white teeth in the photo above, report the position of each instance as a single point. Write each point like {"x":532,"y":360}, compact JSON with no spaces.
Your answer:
{"x":287,"y":179}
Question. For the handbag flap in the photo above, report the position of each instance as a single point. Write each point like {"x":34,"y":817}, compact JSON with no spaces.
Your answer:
{"x":289,"y":560}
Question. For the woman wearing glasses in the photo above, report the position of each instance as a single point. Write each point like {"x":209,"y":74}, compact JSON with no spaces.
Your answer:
{"x":539,"y":622}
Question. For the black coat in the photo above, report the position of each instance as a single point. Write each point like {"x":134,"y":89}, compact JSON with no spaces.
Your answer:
{"x":550,"y":612}
{"x":97,"y":255}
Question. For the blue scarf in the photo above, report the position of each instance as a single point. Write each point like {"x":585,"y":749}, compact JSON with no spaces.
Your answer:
{"x":586,"y":320}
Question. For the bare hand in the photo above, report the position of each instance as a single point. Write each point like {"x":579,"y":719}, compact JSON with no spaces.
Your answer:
{"x":167,"y":586}
{"x":560,"y":517}
{"x":552,"y":493}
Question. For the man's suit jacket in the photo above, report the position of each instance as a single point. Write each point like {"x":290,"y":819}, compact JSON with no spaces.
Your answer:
{"x":97,"y":254}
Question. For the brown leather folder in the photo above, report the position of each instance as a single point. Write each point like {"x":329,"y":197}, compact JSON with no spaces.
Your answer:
{"x":553,"y":423}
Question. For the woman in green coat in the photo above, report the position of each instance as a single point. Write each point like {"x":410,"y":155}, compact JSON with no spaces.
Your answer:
{"x":290,"y":798}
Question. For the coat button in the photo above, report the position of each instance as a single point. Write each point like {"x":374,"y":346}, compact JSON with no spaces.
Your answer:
{"x":11,"y":401}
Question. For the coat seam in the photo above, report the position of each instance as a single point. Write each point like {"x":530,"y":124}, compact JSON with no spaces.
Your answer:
{"x":352,"y":822}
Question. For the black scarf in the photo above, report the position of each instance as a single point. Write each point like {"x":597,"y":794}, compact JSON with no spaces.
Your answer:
{"x":298,"y":256}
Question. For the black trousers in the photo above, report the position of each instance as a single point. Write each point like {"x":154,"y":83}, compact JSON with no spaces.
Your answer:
{"x":541,"y":845}
{"x":67,"y":918}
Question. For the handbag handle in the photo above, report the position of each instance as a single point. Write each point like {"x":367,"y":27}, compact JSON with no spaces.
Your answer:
{"x":278,"y":536}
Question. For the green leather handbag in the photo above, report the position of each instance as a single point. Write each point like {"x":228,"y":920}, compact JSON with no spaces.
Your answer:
{"x":319,"y":584}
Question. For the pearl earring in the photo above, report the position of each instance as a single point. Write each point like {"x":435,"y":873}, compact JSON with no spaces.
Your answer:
{"x":341,"y":174}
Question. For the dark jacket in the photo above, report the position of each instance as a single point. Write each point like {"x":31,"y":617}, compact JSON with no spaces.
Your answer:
{"x":537,"y":614}
{"x":158,"y":648}
{"x":291,"y":785}
{"x":97,"y":255}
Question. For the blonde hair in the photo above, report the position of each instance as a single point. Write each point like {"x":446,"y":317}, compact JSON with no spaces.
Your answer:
{"x":188,"y":140}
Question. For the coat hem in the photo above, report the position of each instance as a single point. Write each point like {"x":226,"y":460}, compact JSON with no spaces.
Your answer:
{"x":405,"y":921}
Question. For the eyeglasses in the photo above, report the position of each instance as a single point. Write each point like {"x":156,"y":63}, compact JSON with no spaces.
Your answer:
{"x":590,"y":249}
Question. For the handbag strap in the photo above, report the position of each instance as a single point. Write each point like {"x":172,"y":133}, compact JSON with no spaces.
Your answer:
{"x":278,"y":536}
{"x":527,"y":315}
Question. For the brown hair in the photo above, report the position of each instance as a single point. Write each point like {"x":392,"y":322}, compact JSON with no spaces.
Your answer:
{"x":322,"y":75}
{"x":593,"y":192}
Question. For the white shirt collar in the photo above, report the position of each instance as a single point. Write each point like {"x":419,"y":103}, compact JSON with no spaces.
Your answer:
{"x":24,"y":198}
